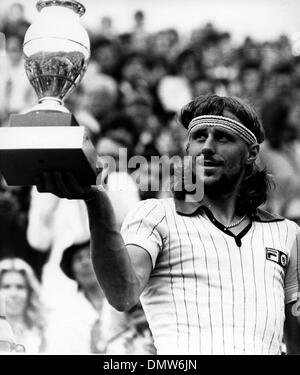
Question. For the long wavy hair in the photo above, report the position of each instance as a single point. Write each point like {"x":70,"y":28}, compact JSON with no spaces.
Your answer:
{"x":34,"y":316}
{"x":256,"y":182}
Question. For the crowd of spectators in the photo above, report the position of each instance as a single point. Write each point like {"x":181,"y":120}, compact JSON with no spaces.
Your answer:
{"x":135,"y":84}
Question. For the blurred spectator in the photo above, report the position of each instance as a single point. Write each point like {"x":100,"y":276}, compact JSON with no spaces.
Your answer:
{"x":139,"y":109}
{"x":296,"y":70}
{"x":107,"y":29}
{"x":188,"y":65}
{"x":96,"y":327}
{"x":171,"y":140}
{"x":14,"y":204}
{"x":109,"y":149}
{"x":249,"y":51}
{"x":162,"y":41}
{"x":82,"y":116}
{"x":23,"y":305}
{"x":54,"y":224}
{"x":202,"y":34}
{"x":100,"y":97}
{"x":284,"y":48}
{"x":203,"y":86}
{"x":269,"y":55}
{"x":71,"y":321}
{"x":7,"y":338}
{"x":279,"y":82}
{"x":187,"y":71}
{"x":251,"y":80}
{"x":15,"y":23}
{"x":16,"y":93}
{"x":134,"y":74}
{"x":140,"y":76}
{"x":105,"y":56}
{"x":139,"y":34}
{"x":122,"y":126}
{"x":119,"y":137}
{"x":281,"y":156}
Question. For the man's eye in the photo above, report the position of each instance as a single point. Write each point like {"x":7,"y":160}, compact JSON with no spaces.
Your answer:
{"x":199,"y":138}
{"x":223,"y":138}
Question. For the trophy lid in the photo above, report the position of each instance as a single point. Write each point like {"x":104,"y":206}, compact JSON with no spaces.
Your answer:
{"x":72,"y":4}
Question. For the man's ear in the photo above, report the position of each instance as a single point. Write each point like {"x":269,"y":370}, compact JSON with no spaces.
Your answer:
{"x":253,"y":151}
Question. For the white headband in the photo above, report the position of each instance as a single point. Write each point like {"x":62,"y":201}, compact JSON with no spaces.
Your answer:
{"x":224,"y":122}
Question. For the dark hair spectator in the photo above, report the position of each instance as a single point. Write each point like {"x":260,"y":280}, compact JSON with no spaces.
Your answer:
{"x":15,"y":22}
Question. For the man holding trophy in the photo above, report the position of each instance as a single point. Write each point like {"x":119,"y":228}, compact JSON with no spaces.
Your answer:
{"x":215,"y":276}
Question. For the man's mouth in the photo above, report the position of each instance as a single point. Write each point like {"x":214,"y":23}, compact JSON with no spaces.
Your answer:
{"x":211,"y":163}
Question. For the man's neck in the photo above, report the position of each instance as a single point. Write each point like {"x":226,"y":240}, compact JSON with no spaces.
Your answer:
{"x":223,"y":204}
{"x":223,"y":207}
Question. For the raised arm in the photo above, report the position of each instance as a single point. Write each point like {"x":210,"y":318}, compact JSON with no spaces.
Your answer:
{"x":122,"y":274}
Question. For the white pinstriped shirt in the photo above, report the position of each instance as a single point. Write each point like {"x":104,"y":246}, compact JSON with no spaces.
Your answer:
{"x":211,"y":292}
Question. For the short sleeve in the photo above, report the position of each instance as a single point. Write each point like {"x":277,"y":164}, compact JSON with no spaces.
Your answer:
{"x":292,"y":277}
{"x":145,"y":226}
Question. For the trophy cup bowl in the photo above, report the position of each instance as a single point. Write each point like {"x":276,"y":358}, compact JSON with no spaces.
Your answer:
{"x":47,"y":137}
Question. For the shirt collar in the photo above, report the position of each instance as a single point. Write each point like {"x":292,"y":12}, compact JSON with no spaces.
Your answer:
{"x":190,"y":208}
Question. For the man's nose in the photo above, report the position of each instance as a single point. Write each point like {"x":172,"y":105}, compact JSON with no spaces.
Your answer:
{"x":208,"y":146}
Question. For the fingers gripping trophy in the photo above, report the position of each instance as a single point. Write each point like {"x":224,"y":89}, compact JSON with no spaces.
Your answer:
{"x":47,"y":137}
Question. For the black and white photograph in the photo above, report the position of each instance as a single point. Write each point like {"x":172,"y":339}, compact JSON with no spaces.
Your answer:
{"x":150,"y":180}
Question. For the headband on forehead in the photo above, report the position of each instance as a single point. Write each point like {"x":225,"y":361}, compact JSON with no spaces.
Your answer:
{"x":224,"y":122}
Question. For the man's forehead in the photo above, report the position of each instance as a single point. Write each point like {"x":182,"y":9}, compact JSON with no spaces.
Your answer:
{"x":213,"y":129}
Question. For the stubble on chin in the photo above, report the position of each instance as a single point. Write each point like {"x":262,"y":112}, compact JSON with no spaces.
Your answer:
{"x":216,"y":187}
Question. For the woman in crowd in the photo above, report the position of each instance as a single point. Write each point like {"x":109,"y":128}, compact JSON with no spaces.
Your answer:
{"x":23,"y":306}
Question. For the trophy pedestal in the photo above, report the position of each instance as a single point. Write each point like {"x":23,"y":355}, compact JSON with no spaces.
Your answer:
{"x":56,"y":50}
{"x":27,"y":151}
{"x":42,"y":118}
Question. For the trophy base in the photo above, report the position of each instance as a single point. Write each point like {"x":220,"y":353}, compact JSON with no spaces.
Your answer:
{"x":48,"y":105}
{"x":39,"y":116}
{"x":26,"y":152}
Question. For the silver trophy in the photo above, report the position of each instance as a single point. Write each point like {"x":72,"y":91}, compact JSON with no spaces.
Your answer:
{"x":47,"y":137}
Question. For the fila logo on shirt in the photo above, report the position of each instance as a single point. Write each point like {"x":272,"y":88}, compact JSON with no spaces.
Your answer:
{"x":276,"y":256}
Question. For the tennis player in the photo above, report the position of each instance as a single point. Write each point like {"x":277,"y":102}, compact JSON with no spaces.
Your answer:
{"x":217,"y":275}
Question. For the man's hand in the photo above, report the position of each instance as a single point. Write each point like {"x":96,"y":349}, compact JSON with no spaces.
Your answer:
{"x":65,"y":185}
